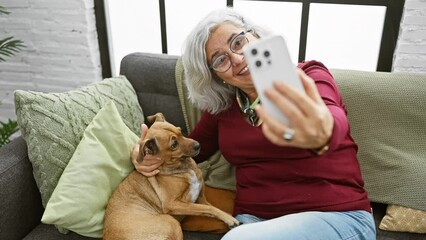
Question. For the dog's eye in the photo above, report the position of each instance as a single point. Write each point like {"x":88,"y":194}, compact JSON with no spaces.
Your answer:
{"x":174,"y":143}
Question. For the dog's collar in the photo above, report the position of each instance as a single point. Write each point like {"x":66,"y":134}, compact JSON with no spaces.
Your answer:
{"x":247,"y":108}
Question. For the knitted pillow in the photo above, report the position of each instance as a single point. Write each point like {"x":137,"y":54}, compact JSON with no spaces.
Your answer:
{"x":52,"y":124}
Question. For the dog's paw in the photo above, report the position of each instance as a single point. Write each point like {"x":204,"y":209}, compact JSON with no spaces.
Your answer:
{"x":232,"y":223}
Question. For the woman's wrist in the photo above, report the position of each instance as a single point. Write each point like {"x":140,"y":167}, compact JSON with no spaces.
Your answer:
{"x":321,"y":150}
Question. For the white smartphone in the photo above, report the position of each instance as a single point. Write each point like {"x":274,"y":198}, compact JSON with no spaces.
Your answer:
{"x":269,"y":61}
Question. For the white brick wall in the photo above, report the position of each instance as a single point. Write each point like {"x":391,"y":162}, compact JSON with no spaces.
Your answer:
{"x":62,"y":50}
{"x":410,"y":53}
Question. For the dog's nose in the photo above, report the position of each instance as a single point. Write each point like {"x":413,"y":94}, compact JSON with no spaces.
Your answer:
{"x":196,"y":146}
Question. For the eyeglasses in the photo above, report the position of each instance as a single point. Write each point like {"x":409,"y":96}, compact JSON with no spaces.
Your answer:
{"x":222,"y":63}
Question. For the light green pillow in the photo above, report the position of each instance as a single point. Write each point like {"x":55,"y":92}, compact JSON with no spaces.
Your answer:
{"x":52,"y":124}
{"x":100,"y":162}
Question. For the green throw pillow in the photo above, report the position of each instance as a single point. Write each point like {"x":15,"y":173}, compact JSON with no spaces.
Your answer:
{"x":52,"y":124}
{"x":100,"y":162}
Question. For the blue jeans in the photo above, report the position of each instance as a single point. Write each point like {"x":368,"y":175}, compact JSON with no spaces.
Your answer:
{"x":351,"y":225}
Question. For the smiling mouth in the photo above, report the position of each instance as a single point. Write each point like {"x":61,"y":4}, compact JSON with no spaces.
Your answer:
{"x":244,"y":70}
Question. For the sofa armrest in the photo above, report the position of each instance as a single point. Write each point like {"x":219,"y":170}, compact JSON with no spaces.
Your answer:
{"x":20,"y":202}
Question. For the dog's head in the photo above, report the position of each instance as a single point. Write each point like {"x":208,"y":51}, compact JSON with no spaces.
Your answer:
{"x":167,"y":142}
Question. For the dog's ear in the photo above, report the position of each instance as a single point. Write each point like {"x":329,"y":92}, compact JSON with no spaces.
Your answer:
{"x":149,"y":147}
{"x":158,"y":117}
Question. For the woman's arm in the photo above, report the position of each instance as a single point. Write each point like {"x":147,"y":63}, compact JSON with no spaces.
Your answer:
{"x":206,"y":132}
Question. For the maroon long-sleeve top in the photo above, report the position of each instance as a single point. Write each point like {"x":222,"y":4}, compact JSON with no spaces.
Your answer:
{"x":273,"y":181}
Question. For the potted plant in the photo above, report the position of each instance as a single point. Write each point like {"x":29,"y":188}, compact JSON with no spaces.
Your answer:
{"x":8,"y":47}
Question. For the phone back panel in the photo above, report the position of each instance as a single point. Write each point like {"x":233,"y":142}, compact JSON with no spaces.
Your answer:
{"x":269,"y":61}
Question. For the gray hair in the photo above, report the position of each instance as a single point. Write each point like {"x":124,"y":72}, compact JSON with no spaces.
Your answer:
{"x":207,"y":91}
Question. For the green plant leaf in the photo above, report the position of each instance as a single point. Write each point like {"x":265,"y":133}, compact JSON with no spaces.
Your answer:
{"x":3,"y":10}
{"x":9,"y":47}
{"x":7,"y":129}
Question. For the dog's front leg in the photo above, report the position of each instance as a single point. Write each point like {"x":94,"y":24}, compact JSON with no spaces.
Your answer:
{"x":197,"y":209}
{"x":202,"y":196}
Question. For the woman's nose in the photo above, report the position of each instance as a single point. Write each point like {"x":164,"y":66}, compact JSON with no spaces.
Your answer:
{"x":236,"y":58}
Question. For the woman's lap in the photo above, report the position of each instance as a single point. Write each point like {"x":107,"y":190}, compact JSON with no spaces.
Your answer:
{"x":352,"y":225}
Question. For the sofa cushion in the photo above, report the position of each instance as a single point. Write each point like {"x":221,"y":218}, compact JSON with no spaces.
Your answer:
{"x":52,"y":124}
{"x":20,"y":203}
{"x":100,"y":162}
{"x":48,"y":232}
{"x":387,"y":114}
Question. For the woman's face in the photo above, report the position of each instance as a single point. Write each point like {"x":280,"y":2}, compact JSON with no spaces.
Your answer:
{"x":238,"y":74}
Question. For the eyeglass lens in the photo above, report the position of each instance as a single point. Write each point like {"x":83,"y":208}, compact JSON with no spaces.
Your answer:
{"x":223,"y":62}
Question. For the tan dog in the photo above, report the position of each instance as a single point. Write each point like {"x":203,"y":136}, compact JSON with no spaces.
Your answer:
{"x":150,"y":207}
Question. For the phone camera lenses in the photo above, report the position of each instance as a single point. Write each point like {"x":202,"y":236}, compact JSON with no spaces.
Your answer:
{"x":258,"y":63}
{"x":254,"y":52}
{"x":266,"y":53}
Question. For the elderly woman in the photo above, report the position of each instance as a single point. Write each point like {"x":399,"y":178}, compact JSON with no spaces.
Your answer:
{"x":296,"y":181}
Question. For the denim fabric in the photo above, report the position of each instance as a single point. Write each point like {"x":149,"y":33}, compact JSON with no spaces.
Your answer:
{"x":351,"y":225}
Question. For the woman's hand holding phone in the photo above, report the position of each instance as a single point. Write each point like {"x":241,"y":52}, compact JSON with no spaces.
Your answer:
{"x":311,"y":120}
{"x":292,"y":110}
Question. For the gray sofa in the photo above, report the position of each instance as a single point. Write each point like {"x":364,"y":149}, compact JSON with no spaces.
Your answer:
{"x":153,"y":78}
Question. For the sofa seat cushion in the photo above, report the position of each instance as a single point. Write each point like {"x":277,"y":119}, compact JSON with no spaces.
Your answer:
{"x":49,"y":232}
{"x":201,"y":236}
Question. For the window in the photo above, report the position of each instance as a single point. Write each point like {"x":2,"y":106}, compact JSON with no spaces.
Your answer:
{"x":358,"y":35}
{"x":132,"y":27}
{"x":281,"y":18}
{"x":345,"y":36}
{"x":182,"y":16}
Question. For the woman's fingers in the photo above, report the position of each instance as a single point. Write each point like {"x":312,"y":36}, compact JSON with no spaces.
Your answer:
{"x":271,"y":128}
{"x":310,"y":119}
{"x":144,"y":130}
{"x":301,"y":101}
{"x":135,"y":152}
{"x":284,"y":104}
{"x":149,"y":166}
